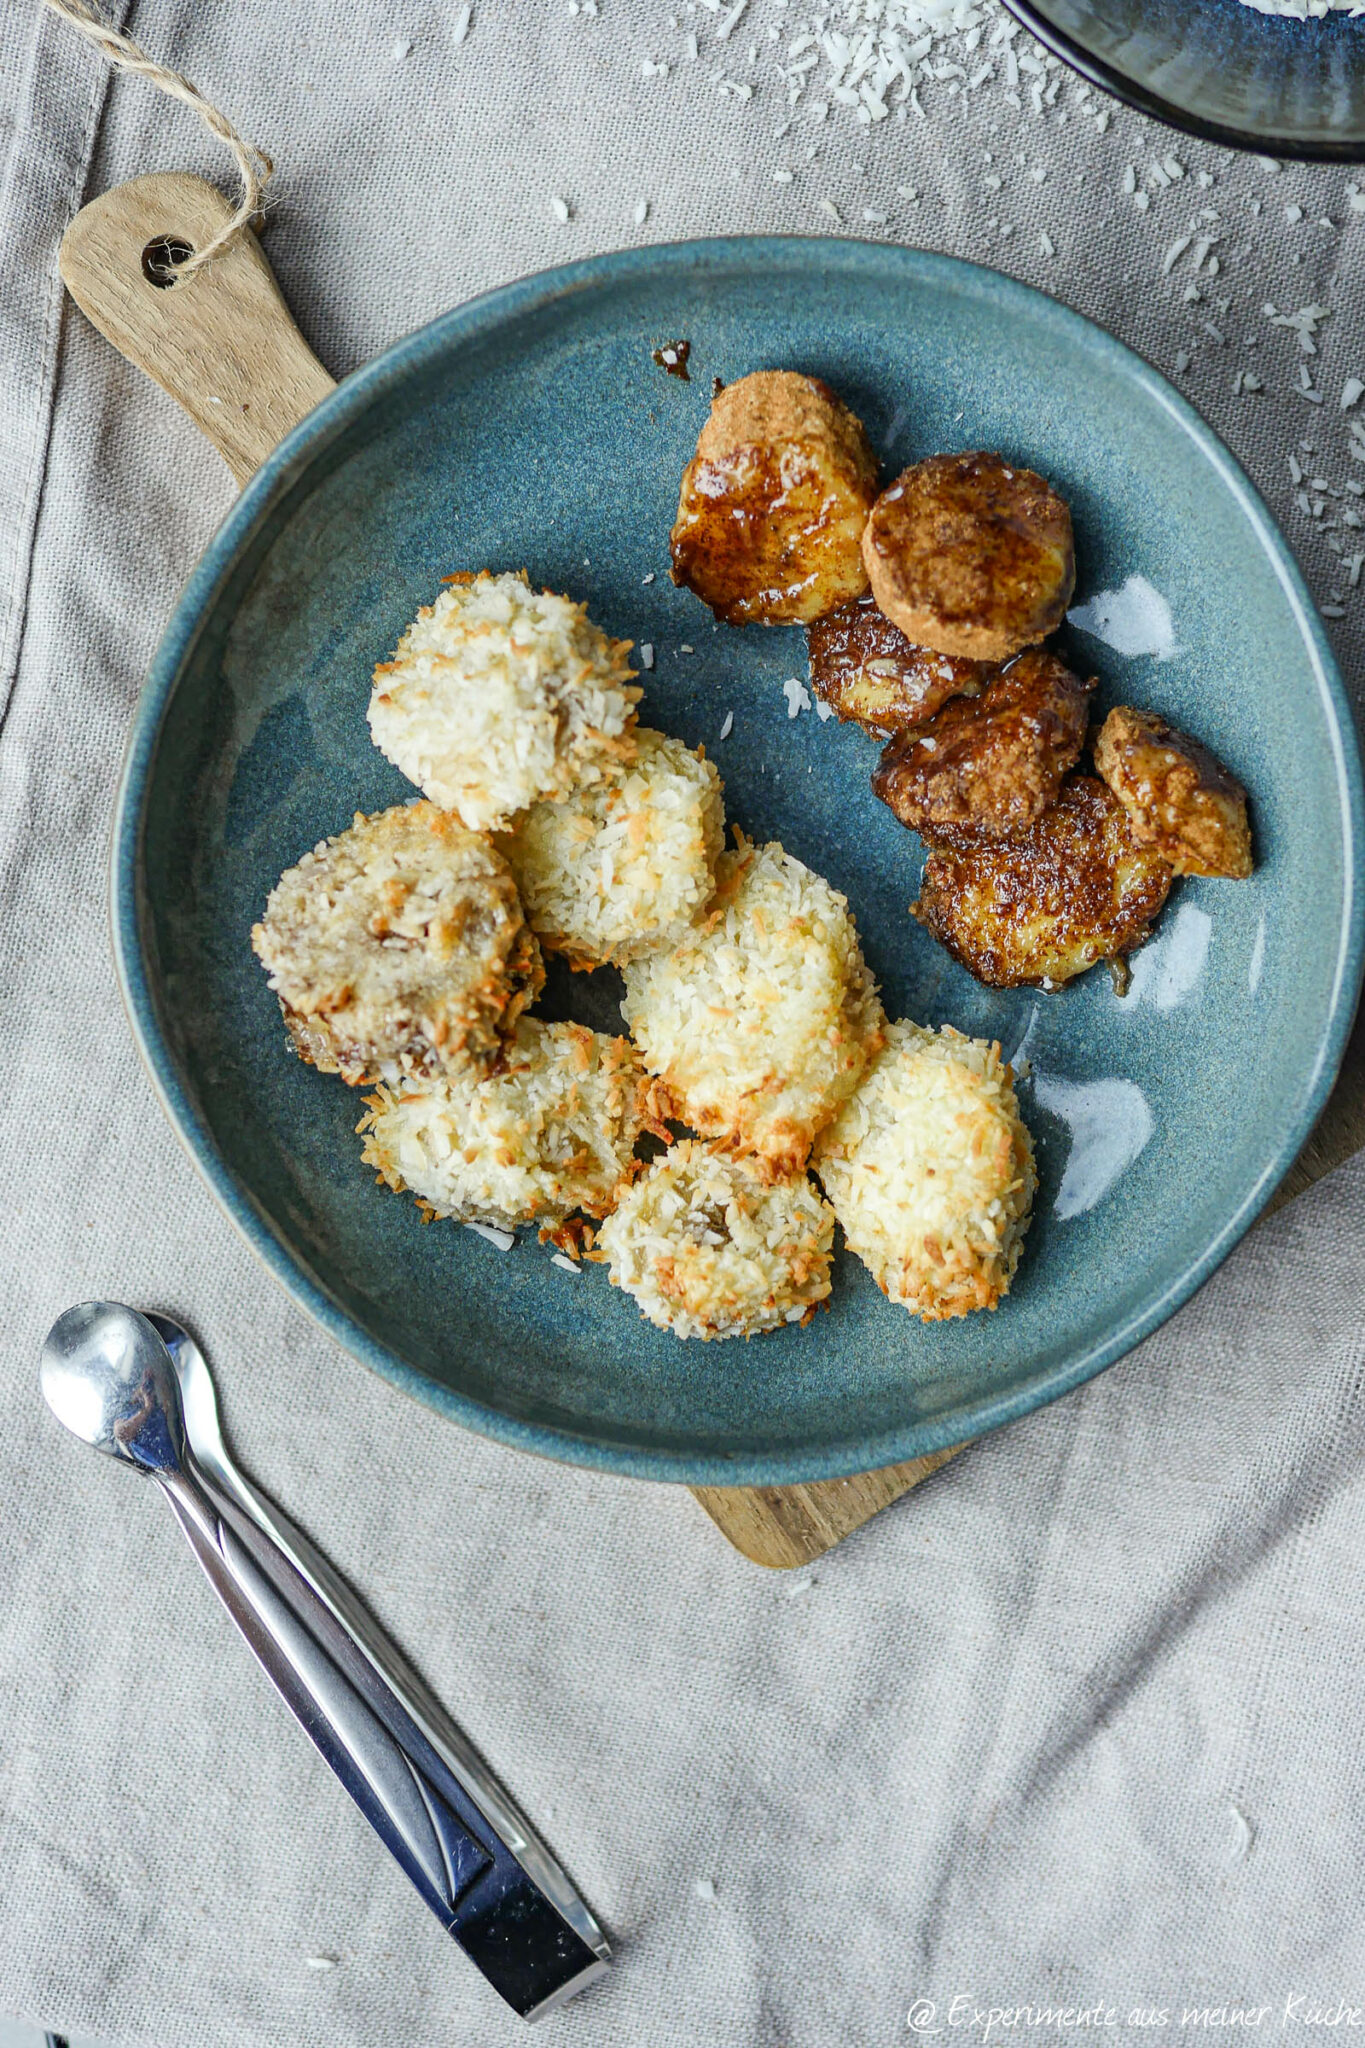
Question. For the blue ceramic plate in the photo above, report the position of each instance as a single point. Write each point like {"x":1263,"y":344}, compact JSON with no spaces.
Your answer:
{"x":1227,"y":72}
{"x":532,"y":428}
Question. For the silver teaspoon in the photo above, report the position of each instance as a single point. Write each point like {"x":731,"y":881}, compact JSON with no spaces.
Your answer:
{"x":115,"y":1378}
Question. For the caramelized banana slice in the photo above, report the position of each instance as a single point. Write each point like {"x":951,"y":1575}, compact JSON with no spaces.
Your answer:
{"x":989,"y":767}
{"x":971,"y":556}
{"x":870,"y":674}
{"x":1076,"y":888}
{"x":1179,"y":799}
{"x":774,"y":501}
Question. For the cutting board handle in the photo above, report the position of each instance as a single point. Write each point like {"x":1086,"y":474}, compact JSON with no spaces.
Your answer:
{"x":222,"y":342}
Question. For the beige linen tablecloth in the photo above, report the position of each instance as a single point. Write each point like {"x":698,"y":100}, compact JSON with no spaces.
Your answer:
{"x":1078,"y":1725}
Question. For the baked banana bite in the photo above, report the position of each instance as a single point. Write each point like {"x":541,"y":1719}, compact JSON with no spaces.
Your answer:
{"x":930,"y":1170}
{"x":1076,"y":888}
{"x":989,"y":766}
{"x":971,"y":556}
{"x":759,"y":1022}
{"x":1179,"y":798}
{"x":626,"y":865}
{"x":710,"y":1248}
{"x":870,"y":675}
{"x":399,"y":949}
{"x":553,"y":1132}
{"x":773,"y":503}
{"x":499,"y":695}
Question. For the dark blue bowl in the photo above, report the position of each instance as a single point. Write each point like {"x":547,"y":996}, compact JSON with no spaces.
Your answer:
{"x":1219,"y":69}
{"x":532,"y":427}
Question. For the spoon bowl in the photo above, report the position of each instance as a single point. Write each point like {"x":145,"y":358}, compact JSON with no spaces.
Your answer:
{"x":107,"y":1375}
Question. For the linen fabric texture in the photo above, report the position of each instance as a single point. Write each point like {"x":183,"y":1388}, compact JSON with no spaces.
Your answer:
{"x":1077,"y":1723}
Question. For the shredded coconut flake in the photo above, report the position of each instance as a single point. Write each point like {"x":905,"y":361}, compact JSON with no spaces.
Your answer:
{"x":503,"y":1239}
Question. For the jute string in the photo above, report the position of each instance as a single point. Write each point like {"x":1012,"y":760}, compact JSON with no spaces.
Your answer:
{"x":254,"y":165}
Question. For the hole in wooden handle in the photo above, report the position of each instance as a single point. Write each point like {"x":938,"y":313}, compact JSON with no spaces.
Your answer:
{"x":162,"y":257}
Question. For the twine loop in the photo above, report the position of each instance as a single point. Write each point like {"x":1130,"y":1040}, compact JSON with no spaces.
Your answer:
{"x":254,"y":166}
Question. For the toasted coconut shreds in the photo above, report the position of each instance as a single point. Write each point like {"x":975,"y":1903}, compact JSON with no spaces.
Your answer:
{"x":761,"y":1022}
{"x":625,"y":865}
{"x":708,"y":1249}
{"x":500,"y":695}
{"x":930,"y":1170}
{"x":554,"y":1133}
{"x":399,"y":948}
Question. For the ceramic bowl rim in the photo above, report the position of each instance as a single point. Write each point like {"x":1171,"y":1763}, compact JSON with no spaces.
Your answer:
{"x":1132,"y":93}
{"x":287,"y":465}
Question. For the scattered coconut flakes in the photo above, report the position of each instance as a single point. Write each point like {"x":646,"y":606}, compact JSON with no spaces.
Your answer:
{"x":728,"y":726}
{"x":459,"y":28}
{"x":797,"y":696}
{"x":566,"y":1265}
{"x":561,"y":209}
{"x":705,"y":1889}
{"x":1045,"y":243}
{"x":1304,"y":324}
{"x":647,"y":650}
{"x":503,"y":1239}
{"x":1352,"y":392}
{"x":649,"y":578}
{"x":321,"y":1962}
{"x":641,"y":212}
{"x":401,"y":49}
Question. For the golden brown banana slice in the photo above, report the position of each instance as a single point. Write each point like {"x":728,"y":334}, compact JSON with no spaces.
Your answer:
{"x":971,"y":556}
{"x":870,"y":674}
{"x":774,"y":501}
{"x":1078,"y":887}
{"x":989,"y":766}
{"x":1178,"y":797}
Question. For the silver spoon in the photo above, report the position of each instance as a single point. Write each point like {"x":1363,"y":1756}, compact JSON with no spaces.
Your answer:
{"x":115,"y":1378}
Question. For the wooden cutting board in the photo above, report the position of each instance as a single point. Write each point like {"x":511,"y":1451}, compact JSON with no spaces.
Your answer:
{"x":225,"y":347}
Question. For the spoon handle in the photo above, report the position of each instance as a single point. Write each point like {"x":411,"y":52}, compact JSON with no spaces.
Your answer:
{"x":465,"y":1872}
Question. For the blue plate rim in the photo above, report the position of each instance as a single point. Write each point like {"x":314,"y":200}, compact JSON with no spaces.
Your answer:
{"x":284,"y":468}
{"x":1131,"y":92}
